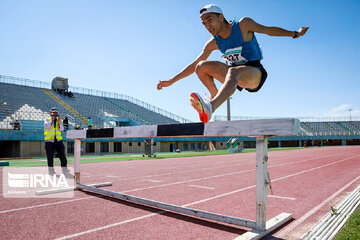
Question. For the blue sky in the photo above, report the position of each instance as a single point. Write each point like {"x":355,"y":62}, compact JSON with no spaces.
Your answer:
{"x":128,"y":46}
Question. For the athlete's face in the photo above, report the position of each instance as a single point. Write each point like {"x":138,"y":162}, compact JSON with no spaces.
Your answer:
{"x":212,"y":22}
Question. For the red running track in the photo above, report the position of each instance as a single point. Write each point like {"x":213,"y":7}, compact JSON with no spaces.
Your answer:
{"x":306,"y":183}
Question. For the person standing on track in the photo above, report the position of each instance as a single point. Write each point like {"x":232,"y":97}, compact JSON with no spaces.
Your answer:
{"x":237,"y":42}
{"x":53,"y":142}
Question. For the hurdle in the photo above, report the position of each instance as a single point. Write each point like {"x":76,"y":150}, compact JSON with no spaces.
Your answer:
{"x":260,"y":129}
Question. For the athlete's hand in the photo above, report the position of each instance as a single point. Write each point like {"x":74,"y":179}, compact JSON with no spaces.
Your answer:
{"x":302,"y":31}
{"x":162,"y":84}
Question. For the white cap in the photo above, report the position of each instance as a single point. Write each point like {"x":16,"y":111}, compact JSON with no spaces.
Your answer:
{"x":210,"y":8}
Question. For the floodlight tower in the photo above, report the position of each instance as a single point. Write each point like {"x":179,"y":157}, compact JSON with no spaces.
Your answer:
{"x":350,"y":113}
{"x":228,"y":109}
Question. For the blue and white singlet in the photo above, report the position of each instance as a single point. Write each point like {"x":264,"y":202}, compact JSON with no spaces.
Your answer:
{"x":235,"y":50}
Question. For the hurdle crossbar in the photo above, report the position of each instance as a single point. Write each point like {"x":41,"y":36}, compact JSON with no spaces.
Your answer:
{"x":260,"y":129}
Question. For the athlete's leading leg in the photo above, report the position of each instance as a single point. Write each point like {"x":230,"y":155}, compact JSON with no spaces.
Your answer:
{"x":243,"y":76}
{"x":208,"y":70}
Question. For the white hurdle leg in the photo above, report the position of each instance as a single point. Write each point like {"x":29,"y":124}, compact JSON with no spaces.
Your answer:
{"x":77,"y":152}
{"x":261,"y":185}
{"x":261,"y":226}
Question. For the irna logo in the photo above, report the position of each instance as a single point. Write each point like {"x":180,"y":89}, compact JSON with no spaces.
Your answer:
{"x":36,"y":180}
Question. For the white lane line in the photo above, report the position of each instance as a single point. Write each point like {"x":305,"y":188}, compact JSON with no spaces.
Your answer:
{"x":193,"y":203}
{"x":205,"y":169}
{"x":44,"y":205}
{"x":131,"y":190}
{"x":299,"y":221}
{"x":170,"y":173}
{"x":187,"y":181}
{"x":219,"y":175}
{"x":109,"y":226}
{"x":176,"y":172}
{"x":192,"y":180}
{"x":287,"y":198}
{"x":184,"y":165}
{"x":94,"y":175}
{"x":315,"y":168}
{"x":197,"y":186}
{"x":149,"y":180}
{"x":243,"y":162}
{"x":277,"y":179}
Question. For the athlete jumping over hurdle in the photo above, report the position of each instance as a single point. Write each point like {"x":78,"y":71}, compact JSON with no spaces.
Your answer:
{"x":237,"y":41}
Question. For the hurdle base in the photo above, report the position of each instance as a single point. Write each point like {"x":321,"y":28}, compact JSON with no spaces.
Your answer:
{"x":271,"y":225}
{"x":60,"y":190}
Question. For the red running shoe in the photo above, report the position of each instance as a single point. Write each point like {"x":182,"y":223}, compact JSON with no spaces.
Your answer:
{"x":202,"y":107}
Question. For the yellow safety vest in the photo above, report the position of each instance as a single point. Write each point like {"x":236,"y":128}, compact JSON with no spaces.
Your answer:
{"x":54,"y":131}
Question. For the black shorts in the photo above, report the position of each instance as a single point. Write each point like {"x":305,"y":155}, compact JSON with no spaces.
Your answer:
{"x":259,"y":66}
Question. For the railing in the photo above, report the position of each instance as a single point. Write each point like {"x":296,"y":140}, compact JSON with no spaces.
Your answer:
{"x":39,"y":84}
{"x":330,"y":133}
{"x":302,"y":119}
{"x":25,"y":120}
{"x":304,"y":132}
{"x":24,"y":82}
{"x":22,"y":125}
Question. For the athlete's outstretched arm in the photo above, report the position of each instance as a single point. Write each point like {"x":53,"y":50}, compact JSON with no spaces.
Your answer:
{"x":190,"y":69}
{"x":252,"y":26}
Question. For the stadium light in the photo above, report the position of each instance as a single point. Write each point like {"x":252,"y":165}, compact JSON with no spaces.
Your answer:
{"x":350,"y":113}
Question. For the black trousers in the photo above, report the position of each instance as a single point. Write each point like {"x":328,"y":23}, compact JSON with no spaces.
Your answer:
{"x":50,"y":148}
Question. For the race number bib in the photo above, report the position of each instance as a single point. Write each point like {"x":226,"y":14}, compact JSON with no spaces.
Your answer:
{"x":233,"y":56}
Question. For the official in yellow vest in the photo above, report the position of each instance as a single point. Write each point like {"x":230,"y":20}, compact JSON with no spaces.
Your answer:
{"x":53,"y":141}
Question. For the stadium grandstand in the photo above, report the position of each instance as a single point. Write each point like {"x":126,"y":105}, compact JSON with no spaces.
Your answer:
{"x":25,"y":104}
{"x":106,"y":109}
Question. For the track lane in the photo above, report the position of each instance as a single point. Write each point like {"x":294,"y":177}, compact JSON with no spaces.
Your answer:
{"x":225,"y":184}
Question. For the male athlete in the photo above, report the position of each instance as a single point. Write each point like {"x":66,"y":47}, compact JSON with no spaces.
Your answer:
{"x":237,"y":41}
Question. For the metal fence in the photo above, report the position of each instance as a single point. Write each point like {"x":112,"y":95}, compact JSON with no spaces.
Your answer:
{"x":26,"y":120}
{"x":339,"y":133}
{"x":302,"y":119}
{"x":324,"y":121}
